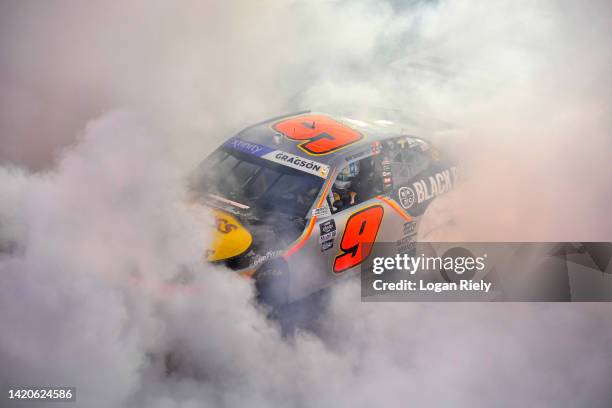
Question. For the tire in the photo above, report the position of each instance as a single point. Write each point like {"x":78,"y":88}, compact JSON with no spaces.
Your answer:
{"x":272,"y":283}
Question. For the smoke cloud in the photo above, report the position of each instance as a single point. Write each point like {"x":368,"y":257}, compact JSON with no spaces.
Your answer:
{"x":105,"y":108}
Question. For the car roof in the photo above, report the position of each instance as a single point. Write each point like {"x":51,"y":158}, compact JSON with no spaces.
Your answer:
{"x":263,"y":133}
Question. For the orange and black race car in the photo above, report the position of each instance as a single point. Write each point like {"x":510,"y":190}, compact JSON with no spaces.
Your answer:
{"x":299,"y":199}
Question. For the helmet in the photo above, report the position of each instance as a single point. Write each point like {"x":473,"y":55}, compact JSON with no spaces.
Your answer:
{"x":343,"y":181}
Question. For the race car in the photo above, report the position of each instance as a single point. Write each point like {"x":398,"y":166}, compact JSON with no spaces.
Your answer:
{"x":300,"y":199}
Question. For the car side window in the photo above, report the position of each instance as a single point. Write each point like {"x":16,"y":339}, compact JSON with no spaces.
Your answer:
{"x":415,"y":162}
{"x":409,"y":160}
{"x":357,"y":182}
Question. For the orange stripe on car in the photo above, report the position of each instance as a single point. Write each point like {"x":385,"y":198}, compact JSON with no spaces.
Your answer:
{"x":320,"y":203}
{"x":396,"y":207}
{"x":248,"y":273}
{"x":302,"y":240}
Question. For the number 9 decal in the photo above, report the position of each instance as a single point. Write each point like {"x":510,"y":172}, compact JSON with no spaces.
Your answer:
{"x":319,"y":134}
{"x":359,"y":235}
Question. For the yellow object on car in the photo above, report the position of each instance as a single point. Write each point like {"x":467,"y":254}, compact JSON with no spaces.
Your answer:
{"x":229,"y":237}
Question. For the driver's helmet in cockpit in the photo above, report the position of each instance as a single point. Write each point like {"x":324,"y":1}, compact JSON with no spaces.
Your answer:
{"x":347,"y":176}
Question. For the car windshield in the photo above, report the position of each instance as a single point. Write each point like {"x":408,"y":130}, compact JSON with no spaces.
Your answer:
{"x":257,"y":183}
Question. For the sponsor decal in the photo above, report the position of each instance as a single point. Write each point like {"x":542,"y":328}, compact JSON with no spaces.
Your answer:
{"x":328,"y":236}
{"x":327,"y":245}
{"x":406,"y":197}
{"x":435,"y":185}
{"x":328,"y":230}
{"x":409,"y":228}
{"x":247,"y":147}
{"x":405,"y":240}
{"x":228,"y":238}
{"x":224,"y":226}
{"x":321,"y":212}
{"x":297,"y":162}
{"x":406,"y":245}
{"x":258,"y":259}
{"x":386,"y":173}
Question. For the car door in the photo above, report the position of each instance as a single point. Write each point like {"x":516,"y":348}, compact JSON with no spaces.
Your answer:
{"x":342,"y":239}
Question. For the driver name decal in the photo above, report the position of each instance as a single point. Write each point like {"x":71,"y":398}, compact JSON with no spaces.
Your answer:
{"x":297,"y":162}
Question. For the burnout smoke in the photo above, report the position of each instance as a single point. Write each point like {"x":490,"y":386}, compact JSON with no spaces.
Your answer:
{"x":93,"y":224}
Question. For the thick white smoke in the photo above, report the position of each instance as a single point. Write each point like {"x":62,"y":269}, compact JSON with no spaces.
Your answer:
{"x":519,"y":93}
